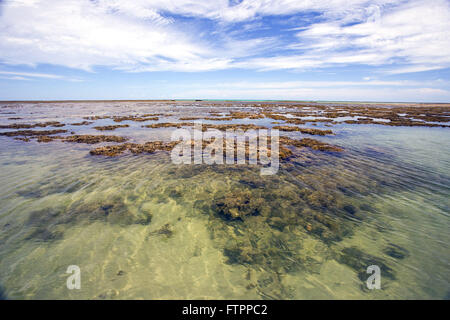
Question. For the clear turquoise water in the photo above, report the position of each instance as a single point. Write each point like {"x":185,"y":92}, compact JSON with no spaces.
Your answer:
{"x":59,"y":206}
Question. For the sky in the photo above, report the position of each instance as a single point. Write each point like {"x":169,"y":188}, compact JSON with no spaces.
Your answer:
{"x":323,"y":50}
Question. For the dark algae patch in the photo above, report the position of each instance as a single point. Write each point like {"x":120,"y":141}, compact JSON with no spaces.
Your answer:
{"x":359,"y":261}
{"x":396,"y":251}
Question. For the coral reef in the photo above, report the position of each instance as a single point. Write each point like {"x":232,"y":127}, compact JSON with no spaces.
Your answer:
{"x":35,"y":125}
{"x":33,"y":133}
{"x":304,"y":130}
{"x":148,"y":147}
{"x":134,"y":118}
{"x":92,"y":139}
{"x":83,"y":123}
{"x":310,"y":143}
{"x":169,"y":125}
{"x":110,"y":128}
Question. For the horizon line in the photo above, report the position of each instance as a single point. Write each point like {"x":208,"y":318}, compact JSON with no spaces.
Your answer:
{"x":221,"y":100}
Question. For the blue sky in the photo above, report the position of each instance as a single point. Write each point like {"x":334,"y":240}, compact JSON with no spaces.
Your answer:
{"x":379,"y":50}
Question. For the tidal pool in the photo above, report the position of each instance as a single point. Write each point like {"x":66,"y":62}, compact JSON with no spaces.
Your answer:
{"x":140,"y":227}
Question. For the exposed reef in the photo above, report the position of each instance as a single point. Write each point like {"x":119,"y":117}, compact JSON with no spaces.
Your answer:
{"x":110,"y":128}
{"x":33,"y":133}
{"x":148,"y":147}
{"x":310,"y":143}
{"x":304,"y":130}
{"x":92,"y":139}
{"x":169,"y":125}
{"x":83,"y":123}
{"x":134,"y":118}
{"x":205,"y":127}
{"x":46,"y":136}
{"x":34,"y":125}
{"x":142,"y":118}
{"x":245,"y":115}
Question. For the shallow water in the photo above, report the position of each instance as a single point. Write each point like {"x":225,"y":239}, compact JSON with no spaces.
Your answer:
{"x":140,"y":227}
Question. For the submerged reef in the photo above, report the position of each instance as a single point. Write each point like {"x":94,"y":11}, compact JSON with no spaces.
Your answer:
{"x":260,"y":223}
{"x":396,"y":251}
{"x":359,"y":261}
{"x":268,"y":224}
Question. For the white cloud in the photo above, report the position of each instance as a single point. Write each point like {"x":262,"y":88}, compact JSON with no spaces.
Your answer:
{"x":83,"y":34}
{"x":414,"y":34}
{"x":140,"y":35}
{"x":14,"y":75}
{"x":16,"y":78}
{"x":30,"y":74}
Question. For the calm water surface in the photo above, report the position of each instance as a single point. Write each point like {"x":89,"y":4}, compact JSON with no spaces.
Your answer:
{"x":140,"y":227}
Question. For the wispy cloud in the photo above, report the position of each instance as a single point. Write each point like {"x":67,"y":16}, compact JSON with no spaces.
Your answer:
{"x":17,"y":75}
{"x":33,"y":75}
{"x":142,"y":35}
{"x":15,"y":78}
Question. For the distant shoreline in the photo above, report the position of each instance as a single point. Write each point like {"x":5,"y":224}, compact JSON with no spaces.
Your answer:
{"x":226,"y":100}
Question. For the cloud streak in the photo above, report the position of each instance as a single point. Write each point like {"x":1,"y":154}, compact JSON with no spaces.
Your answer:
{"x":405,"y":36}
